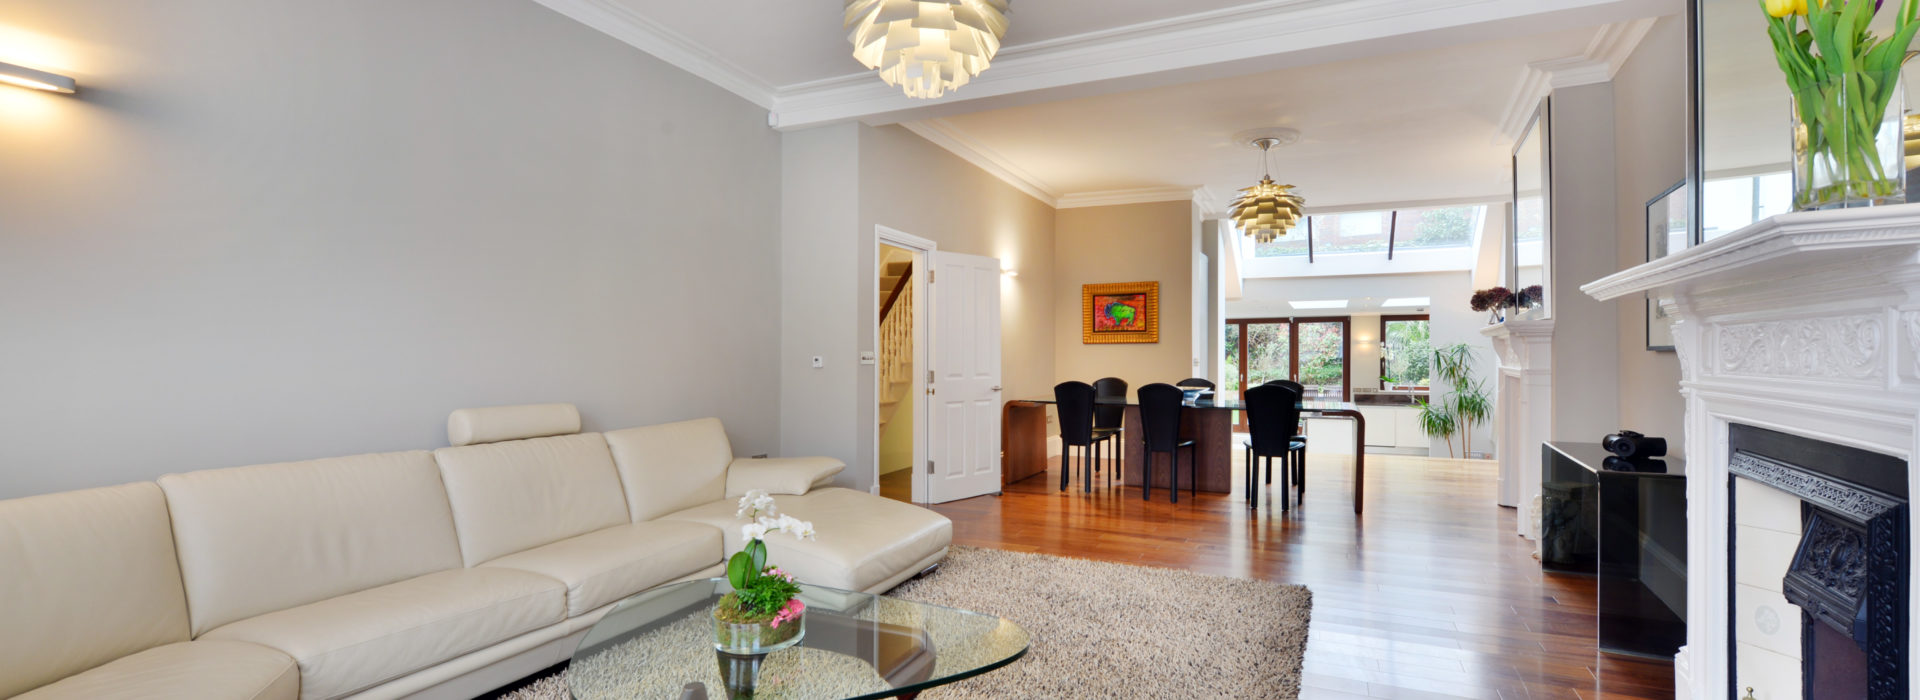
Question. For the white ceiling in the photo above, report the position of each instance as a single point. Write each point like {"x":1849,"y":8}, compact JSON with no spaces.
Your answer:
{"x":788,"y":42}
{"x":1416,"y":126}
{"x":1099,"y":101}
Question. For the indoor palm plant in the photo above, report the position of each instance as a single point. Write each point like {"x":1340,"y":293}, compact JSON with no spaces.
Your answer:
{"x":1847,"y":103}
{"x":1463,"y":407}
{"x":763,"y":613}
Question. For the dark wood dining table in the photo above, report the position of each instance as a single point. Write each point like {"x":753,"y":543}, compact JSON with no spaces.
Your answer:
{"x":1208,"y":421}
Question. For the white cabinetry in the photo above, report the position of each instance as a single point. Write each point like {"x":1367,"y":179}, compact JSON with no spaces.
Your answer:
{"x":1393,"y":426}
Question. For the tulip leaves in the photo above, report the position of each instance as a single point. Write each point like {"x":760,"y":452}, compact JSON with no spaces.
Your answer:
{"x":1842,"y":78}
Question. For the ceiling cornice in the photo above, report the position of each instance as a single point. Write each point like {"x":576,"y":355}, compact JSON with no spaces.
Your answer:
{"x":1143,"y":195}
{"x":619,"y":22}
{"x":1253,"y":31}
{"x":949,"y":137}
{"x":1609,"y":49}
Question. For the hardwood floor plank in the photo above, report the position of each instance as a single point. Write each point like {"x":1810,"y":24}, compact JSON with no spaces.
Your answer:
{"x":1428,"y":595}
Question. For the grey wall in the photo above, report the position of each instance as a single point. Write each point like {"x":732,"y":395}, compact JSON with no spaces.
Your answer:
{"x":1586,"y":402}
{"x":1650,"y":113}
{"x":276,"y":230}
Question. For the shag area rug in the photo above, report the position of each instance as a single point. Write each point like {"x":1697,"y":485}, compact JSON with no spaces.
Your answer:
{"x":1104,"y":630}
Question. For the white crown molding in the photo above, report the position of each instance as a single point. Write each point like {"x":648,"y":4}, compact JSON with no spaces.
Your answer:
{"x":1609,"y":49}
{"x":1254,"y":31}
{"x":616,"y":20}
{"x":1142,"y":195}
{"x":947,"y":136}
{"x":1209,"y":202}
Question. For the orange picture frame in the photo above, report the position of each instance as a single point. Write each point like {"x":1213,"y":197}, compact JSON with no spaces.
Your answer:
{"x":1122,"y":312}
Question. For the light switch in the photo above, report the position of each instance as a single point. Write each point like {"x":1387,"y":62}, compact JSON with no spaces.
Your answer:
{"x":866,"y":357}
{"x":819,"y":362}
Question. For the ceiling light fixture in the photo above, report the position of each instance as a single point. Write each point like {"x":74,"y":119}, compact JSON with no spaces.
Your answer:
{"x":1328,"y":304}
{"x":1266,"y":210}
{"x":927,"y":48}
{"x":25,"y":77}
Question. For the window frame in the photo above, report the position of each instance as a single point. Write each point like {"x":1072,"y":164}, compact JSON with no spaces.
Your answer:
{"x":1384,"y":318}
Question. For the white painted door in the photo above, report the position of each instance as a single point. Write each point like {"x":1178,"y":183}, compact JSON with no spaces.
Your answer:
{"x":963,"y":416}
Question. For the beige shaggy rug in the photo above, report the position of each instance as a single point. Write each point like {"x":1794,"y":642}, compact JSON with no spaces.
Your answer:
{"x":1103,"y":630}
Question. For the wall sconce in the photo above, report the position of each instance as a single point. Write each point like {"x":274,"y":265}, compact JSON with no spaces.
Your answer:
{"x":25,"y":77}
{"x":1010,"y":272}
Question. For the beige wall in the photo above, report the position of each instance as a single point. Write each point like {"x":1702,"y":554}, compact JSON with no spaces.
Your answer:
{"x":1650,"y":112}
{"x":280,"y":231}
{"x":911,"y":185}
{"x":1125,"y":243}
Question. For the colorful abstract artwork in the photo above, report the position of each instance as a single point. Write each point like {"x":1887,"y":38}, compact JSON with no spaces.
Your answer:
{"x":1119,"y":312}
{"x":1126,"y":312}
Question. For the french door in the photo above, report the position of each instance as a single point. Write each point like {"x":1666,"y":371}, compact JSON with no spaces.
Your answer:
{"x":1313,"y":351}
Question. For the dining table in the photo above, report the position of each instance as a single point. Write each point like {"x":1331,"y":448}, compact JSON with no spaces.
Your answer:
{"x":1207,"y":420}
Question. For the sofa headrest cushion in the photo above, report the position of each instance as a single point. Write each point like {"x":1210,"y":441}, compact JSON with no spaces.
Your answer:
{"x":474,"y":426}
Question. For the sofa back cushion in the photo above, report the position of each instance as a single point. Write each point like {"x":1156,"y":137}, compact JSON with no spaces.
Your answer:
{"x":513,"y":496}
{"x":672,"y":467}
{"x":258,"y":539}
{"x":86,"y":577}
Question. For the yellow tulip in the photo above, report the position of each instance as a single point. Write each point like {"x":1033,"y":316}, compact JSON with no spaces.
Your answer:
{"x":1782,"y":8}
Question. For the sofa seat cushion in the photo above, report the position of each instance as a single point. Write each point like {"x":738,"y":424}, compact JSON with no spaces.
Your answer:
{"x":203,"y":670}
{"x":359,"y":640}
{"x":604,"y":566}
{"x":862,"y":541}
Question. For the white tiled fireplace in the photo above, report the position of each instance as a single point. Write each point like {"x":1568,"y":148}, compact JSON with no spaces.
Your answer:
{"x":1807,"y":326}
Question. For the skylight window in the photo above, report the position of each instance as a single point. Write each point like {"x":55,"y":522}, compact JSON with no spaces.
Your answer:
{"x":1398,"y":302}
{"x":1326,"y":304}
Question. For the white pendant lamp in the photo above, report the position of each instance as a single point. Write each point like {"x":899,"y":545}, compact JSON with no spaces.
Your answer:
{"x":926,"y":48}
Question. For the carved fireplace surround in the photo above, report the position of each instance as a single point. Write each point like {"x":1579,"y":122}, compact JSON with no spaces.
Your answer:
{"x":1806,"y":324}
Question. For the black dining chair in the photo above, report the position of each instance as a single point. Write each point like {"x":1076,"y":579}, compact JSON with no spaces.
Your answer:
{"x":1160,"y":425}
{"x":1074,"y":401}
{"x":1273,"y":413}
{"x":1299,"y":461}
{"x":1110,"y":417}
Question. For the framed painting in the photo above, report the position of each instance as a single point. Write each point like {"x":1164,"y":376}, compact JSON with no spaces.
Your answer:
{"x":1127,"y":312}
{"x":1669,"y":231}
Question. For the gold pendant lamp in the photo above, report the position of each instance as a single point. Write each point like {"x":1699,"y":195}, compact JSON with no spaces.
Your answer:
{"x":1266,"y":211}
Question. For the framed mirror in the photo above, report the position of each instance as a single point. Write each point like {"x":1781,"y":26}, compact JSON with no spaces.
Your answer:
{"x":1529,"y":229}
{"x":1743,"y":117}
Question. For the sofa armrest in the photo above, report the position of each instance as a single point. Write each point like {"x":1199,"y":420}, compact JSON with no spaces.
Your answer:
{"x":790,"y":476}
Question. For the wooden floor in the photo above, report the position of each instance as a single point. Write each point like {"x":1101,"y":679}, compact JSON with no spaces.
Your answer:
{"x":1430,"y":594}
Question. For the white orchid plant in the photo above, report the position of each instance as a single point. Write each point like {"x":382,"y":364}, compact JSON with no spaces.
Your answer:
{"x":764,"y":590}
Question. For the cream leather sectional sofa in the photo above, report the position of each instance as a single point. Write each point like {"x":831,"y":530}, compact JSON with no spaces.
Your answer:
{"x":438,"y":574}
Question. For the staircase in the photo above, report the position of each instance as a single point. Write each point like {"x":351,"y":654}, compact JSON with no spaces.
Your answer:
{"x":895,"y":371}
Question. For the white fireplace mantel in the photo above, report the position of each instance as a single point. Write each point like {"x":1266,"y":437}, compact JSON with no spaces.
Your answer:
{"x":1524,"y":414}
{"x":1804,"y":323}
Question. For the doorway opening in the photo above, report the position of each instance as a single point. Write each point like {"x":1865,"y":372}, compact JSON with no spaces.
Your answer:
{"x":897,"y":369}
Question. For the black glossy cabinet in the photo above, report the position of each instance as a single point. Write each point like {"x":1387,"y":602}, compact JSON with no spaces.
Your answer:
{"x":1627,"y":525}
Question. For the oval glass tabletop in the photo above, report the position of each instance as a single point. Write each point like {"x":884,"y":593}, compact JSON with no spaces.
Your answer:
{"x":660,"y":644}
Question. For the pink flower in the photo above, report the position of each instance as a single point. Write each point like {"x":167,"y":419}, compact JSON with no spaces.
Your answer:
{"x":789,"y":612}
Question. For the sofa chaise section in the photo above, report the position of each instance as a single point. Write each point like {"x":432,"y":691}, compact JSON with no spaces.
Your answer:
{"x":686,"y":472}
{"x":91,"y":606}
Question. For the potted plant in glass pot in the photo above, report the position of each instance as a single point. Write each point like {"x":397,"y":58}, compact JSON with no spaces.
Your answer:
{"x":763,"y":613}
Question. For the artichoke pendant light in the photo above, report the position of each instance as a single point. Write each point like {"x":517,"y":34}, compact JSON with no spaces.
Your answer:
{"x":1265,"y":211}
{"x":926,"y":48}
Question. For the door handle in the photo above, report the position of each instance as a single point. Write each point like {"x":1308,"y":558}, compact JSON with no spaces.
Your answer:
{"x":996,"y":388}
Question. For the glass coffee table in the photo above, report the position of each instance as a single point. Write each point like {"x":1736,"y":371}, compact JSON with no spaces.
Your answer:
{"x":660,"y":644}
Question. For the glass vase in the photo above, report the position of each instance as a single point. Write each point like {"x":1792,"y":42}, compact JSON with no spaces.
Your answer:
{"x":757,"y":637}
{"x":1848,"y":149}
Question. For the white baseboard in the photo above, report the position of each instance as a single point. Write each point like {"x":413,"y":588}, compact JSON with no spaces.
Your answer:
{"x":1682,"y":676}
